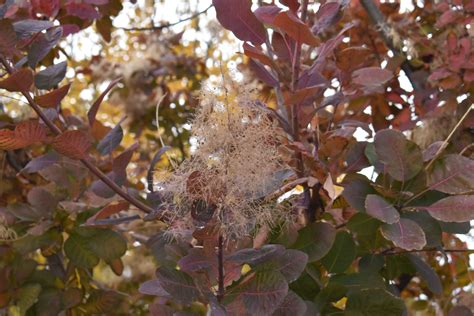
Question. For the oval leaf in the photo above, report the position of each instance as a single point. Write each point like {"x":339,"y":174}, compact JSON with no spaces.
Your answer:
{"x":72,"y":144}
{"x":453,"y":174}
{"x":315,"y":240}
{"x":258,"y":295}
{"x":295,"y":28}
{"x":405,"y":234}
{"x":371,"y":76}
{"x":457,"y":209}
{"x":380,"y":209}
{"x":402,"y":158}
{"x":26,"y":133}
{"x":342,"y":253}
{"x":178,"y":284}
{"x":237,"y":17}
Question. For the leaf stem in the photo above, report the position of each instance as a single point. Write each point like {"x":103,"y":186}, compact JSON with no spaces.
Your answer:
{"x":96,"y":171}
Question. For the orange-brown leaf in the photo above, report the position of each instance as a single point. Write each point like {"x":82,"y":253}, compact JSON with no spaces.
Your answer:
{"x":18,"y":81}
{"x":295,"y":28}
{"x":53,"y":98}
{"x":73,"y":144}
{"x":25,"y":134}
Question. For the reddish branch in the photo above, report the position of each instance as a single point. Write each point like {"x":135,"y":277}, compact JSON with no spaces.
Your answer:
{"x":166,"y":25}
{"x":96,"y":171}
{"x":391,"y":251}
{"x":220,"y":263}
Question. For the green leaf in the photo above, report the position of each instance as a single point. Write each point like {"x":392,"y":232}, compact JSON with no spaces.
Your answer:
{"x":331,"y":293}
{"x":261,"y":294}
{"x":455,"y":228}
{"x":427,"y":273}
{"x":371,"y":263}
{"x":453,"y":174}
{"x":308,"y":284}
{"x":377,"y":207}
{"x":108,"y":244}
{"x":27,"y":297}
{"x":403,"y":159}
{"x":372,"y":302}
{"x":30,"y":243}
{"x":458,"y":208}
{"x":405,"y":234}
{"x":342,"y":253}
{"x":77,"y":249}
{"x":396,"y":265}
{"x":315,"y":240}
{"x":178,"y":284}
{"x":358,"y":281}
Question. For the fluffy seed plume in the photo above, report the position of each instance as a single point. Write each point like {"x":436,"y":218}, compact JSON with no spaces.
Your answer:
{"x":233,"y":167}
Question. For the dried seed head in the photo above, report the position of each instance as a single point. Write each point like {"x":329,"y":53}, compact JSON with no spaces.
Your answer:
{"x":232,"y":167}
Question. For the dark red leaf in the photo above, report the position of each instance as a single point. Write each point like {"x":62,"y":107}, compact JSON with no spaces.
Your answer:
{"x":256,"y":53}
{"x":20,"y":80}
{"x":111,"y":209}
{"x":49,"y":8}
{"x":236,"y":16}
{"x":453,"y":174}
{"x":263,"y":74}
{"x":52,"y":99}
{"x":83,"y":11}
{"x":7,"y":38}
{"x":371,"y":76}
{"x":95,"y":107}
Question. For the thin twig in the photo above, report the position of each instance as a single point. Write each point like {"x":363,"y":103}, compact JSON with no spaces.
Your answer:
{"x":391,"y":252}
{"x":96,"y":171}
{"x":220,"y":263}
{"x":445,"y":143}
{"x":166,"y":25}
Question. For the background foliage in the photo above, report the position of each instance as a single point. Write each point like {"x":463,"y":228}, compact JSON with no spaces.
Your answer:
{"x":374,"y":106}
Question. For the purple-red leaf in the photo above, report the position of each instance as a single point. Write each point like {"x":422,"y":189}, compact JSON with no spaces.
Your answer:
{"x":111,"y":140}
{"x":371,"y":77}
{"x":236,"y":16}
{"x":52,"y":99}
{"x":262,"y":73}
{"x":7,"y":38}
{"x":453,"y":174}
{"x":295,"y":28}
{"x":256,"y":53}
{"x":402,"y":158}
{"x":457,"y":208}
{"x":380,"y":209}
{"x":83,"y":11}
{"x":405,"y":234}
